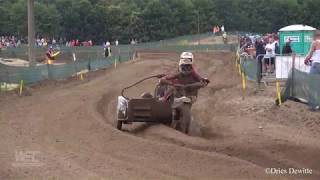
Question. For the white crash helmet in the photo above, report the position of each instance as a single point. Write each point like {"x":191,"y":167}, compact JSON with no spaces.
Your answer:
{"x":186,"y":55}
{"x":185,"y":63}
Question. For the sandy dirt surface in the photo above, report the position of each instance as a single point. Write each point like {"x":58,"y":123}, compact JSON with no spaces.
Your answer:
{"x":69,"y":126}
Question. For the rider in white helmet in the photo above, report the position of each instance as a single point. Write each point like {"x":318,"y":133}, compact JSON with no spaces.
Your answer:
{"x":186,"y":63}
{"x":186,"y":83}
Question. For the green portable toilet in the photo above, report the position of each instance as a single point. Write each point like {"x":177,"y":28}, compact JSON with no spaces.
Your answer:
{"x":300,"y":36}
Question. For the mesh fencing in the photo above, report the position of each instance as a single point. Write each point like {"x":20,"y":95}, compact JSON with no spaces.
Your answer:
{"x":249,"y":67}
{"x":84,"y":59}
{"x":302,"y":86}
{"x":33,"y":74}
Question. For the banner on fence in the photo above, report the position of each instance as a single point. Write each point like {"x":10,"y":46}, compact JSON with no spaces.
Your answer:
{"x":284,"y":66}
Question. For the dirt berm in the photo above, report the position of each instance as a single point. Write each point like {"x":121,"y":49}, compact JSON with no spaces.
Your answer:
{"x":68,"y":125}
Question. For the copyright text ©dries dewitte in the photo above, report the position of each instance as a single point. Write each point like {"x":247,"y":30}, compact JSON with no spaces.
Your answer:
{"x":288,"y":171}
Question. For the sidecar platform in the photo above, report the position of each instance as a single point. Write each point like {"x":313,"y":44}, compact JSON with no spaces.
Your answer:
{"x":149,"y":110}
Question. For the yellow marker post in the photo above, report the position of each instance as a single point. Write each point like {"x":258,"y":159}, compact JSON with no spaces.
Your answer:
{"x":239,"y":68}
{"x":236,"y":59}
{"x":236,"y":63}
{"x":81,"y":76}
{"x":244,"y":85}
{"x":21,"y":87}
{"x":278,"y":92}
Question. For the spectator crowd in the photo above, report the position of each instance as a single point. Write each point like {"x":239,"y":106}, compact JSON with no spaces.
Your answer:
{"x":264,"y":49}
{"x":9,"y":42}
{"x":45,"y":42}
{"x":14,"y":42}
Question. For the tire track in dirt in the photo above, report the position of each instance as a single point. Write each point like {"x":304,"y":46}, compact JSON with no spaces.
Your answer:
{"x":259,"y":157}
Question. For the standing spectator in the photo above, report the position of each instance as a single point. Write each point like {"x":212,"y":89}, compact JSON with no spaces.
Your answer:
{"x":18,"y":43}
{"x":61,"y":41}
{"x":107,"y":49}
{"x":108,"y":44}
{"x":222,"y":28}
{"x":276,"y":44}
{"x":38,"y":42}
{"x":270,"y":56}
{"x":215,"y":29}
{"x":45,"y":43}
{"x":313,"y":56}
{"x":42,"y":41}
{"x":224,"y":37}
{"x":133,"y":42}
{"x":287,"y":50}
{"x":313,"y":59}
{"x":260,"y":51}
{"x":54,"y":41}
{"x":116,"y":42}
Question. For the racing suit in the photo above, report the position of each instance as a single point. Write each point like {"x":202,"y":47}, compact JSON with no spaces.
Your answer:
{"x":189,"y":86}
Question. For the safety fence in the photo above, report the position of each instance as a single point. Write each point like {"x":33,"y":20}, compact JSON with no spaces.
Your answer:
{"x":248,"y":66}
{"x":303,"y":87}
{"x":96,"y":51}
{"x":299,"y":84}
{"x":33,"y":74}
{"x":275,"y":68}
{"x":80,"y":60}
{"x":181,"y":48}
{"x":70,"y":62}
{"x":67,"y":53}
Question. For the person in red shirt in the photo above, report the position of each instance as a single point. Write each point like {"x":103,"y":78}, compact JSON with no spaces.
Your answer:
{"x":183,"y":89}
{"x":50,"y":55}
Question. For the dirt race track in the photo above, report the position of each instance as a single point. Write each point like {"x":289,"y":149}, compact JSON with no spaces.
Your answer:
{"x":69,"y":125}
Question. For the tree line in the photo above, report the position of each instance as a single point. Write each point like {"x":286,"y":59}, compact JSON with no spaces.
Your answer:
{"x":146,"y":20}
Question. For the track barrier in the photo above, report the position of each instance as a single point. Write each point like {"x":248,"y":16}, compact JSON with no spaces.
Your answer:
{"x":84,"y":59}
{"x":21,"y":87}
{"x":299,"y":84}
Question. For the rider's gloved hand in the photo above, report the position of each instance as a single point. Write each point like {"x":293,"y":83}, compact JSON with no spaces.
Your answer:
{"x":206,"y":80}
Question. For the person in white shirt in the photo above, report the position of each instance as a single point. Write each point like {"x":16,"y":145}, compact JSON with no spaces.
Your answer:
{"x":107,"y":49}
{"x":270,"y":56}
{"x":108,"y":44}
{"x":313,"y":57}
{"x":54,"y":41}
{"x":132,"y":42}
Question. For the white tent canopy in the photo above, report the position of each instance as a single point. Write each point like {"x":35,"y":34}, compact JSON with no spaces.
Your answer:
{"x":298,"y":27}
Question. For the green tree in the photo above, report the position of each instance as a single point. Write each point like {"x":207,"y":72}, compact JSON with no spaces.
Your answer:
{"x":149,"y":20}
